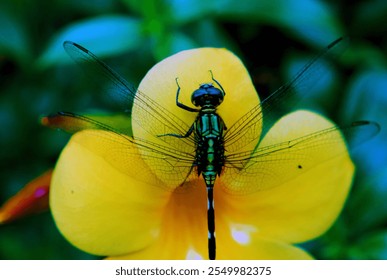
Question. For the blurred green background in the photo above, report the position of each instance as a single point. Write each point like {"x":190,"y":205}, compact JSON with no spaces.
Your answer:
{"x":272,"y":37}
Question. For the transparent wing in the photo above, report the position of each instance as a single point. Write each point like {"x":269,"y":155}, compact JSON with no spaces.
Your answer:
{"x":156,"y":120}
{"x":249,"y":127}
{"x":125,"y":152}
{"x":271,"y":165}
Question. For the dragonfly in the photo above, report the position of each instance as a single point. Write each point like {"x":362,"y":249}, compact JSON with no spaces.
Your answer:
{"x":209,"y":148}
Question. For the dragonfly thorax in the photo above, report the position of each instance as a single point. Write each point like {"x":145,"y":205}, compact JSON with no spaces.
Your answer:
{"x":207,"y":94}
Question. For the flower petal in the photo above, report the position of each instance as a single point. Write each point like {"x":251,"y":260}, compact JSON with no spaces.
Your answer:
{"x":99,"y":208}
{"x":303,"y":207}
{"x":192,"y":67}
{"x":183,"y":234}
{"x":260,"y":249}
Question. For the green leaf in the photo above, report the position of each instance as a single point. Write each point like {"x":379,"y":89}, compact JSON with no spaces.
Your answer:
{"x":106,"y":35}
{"x":310,"y":20}
{"x":367,"y":100}
{"x":370,"y":17}
{"x":13,"y":41}
{"x":366,"y":55}
{"x":182,"y":42}
{"x":209,"y":34}
{"x":319,"y":85}
{"x":371,"y":247}
{"x":367,"y":96}
{"x":180,"y":14}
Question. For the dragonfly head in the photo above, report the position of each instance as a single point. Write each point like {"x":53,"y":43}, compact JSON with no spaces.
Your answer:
{"x":207,"y":94}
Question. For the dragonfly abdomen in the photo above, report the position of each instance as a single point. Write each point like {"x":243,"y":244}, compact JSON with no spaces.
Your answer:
{"x":209,"y":130}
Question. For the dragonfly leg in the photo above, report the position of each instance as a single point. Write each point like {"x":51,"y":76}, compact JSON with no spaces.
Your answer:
{"x":189,"y":132}
{"x":181,"y":105}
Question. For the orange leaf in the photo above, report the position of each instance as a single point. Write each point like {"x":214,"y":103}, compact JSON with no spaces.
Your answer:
{"x":33,"y":198}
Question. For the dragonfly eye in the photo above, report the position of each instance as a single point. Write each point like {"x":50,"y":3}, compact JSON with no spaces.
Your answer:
{"x":207,"y":94}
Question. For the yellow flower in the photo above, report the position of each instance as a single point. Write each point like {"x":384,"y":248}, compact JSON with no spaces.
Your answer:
{"x":104,"y":209}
